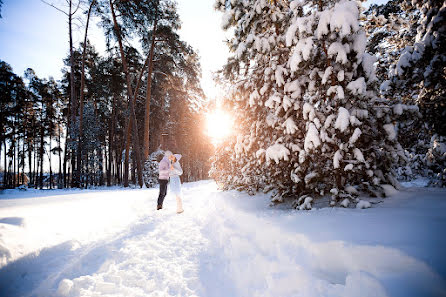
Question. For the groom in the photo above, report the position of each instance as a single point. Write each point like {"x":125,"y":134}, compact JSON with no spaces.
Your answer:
{"x":164,"y":167}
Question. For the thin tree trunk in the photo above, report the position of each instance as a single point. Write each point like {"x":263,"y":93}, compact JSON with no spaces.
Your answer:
{"x":133,"y":168}
{"x":101,"y":166}
{"x":149,"y":91}
{"x":36,"y":167}
{"x":23,"y":159}
{"x":66,"y":151}
{"x":127,"y":156}
{"x":131,"y":97}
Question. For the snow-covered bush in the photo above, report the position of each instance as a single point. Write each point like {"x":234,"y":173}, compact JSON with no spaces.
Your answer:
{"x":436,"y":160}
{"x":303,"y":94}
{"x":150,"y":172}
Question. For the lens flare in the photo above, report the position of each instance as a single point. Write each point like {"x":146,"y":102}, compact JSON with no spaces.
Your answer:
{"x":219,"y":125}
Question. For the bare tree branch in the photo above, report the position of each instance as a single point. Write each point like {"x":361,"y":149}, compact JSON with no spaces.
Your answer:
{"x":78,"y":4}
{"x":55,"y":7}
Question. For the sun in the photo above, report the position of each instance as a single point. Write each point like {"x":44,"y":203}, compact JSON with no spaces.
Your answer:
{"x":219,"y":125}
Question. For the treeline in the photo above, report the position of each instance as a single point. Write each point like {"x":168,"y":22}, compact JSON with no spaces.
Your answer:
{"x":107,"y":114}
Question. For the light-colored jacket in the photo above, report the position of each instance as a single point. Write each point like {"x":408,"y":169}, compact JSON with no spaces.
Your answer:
{"x":176,"y":170}
{"x":164,"y":168}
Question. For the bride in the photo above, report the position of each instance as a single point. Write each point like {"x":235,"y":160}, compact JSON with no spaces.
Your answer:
{"x":175,"y":182}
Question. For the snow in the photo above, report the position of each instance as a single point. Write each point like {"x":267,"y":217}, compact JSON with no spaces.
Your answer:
{"x":356,"y":134}
{"x":226,"y":19}
{"x":340,"y":75}
{"x":345,"y":18}
{"x":358,"y":155}
{"x":312,"y":140}
{"x":301,"y":52}
{"x":290,"y":126}
{"x":337,"y":159}
{"x":328,"y":121}
{"x":389,"y":190}
{"x":343,"y":119}
{"x":363,"y":204}
{"x":398,"y":109}
{"x":307,"y":204}
{"x":391,"y":131}
{"x":324,"y":21}
{"x":338,"y":49}
{"x":357,"y":87}
{"x":240,"y":50}
{"x":348,"y":167}
{"x":351,"y":190}
{"x":308,"y":111}
{"x":277,"y":152}
{"x":345,"y":202}
{"x":224,"y":244}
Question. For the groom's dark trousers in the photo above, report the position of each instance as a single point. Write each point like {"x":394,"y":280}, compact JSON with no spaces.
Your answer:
{"x":163,"y":191}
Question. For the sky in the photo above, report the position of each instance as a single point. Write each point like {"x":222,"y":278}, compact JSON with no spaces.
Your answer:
{"x":35,"y":35}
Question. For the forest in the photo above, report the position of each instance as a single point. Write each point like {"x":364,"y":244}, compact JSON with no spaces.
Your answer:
{"x":106,"y":119}
{"x":326,"y":98}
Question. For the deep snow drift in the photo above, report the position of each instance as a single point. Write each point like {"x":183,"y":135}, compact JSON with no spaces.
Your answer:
{"x":114,"y":243}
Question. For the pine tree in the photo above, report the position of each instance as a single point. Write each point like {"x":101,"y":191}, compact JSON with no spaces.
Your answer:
{"x":311,"y":121}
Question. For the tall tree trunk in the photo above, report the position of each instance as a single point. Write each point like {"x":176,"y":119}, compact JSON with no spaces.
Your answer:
{"x":60,"y":158}
{"x":41,"y":157}
{"x":66,"y":153}
{"x":129,"y":123}
{"x":131,"y":97}
{"x":5,"y":174}
{"x":101,"y":165}
{"x":111,"y":136}
{"x":127,"y":156}
{"x":119,"y":166}
{"x":49,"y":159}
{"x":29,"y":160}
{"x":23,"y":158}
{"x":81,"y":99}
{"x":133,"y":168}
{"x":75,"y":178}
{"x":36,"y":167}
{"x":149,"y":91}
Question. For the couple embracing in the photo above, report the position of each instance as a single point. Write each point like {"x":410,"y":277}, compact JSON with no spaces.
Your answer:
{"x":170,"y":168}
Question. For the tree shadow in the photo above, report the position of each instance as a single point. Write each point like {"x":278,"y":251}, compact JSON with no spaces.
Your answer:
{"x":39,"y":274}
{"x":16,"y":221}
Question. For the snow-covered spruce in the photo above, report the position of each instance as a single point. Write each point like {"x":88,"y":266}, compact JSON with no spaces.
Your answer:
{"x":150,"y":173}
{"x":303,"y":94}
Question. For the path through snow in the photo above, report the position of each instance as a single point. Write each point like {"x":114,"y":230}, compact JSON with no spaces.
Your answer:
{"x":113,"y":243}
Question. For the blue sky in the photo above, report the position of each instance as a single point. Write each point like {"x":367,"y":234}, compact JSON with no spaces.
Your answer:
{"x":33,"y":34}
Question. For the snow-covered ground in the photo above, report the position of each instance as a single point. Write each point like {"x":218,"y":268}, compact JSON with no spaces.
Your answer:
{"x":114,"y":243}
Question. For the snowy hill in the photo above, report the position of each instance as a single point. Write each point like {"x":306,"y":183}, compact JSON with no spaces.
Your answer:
{"x":114,"y":243}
